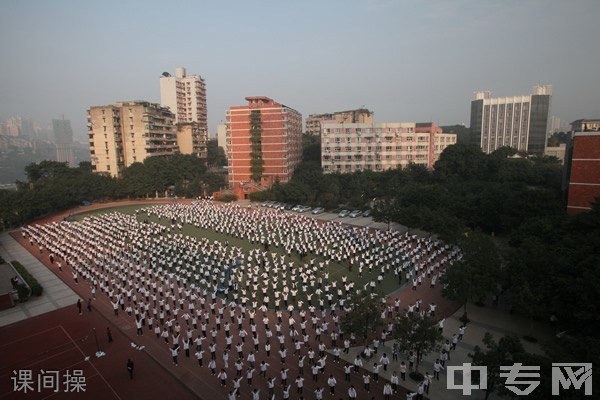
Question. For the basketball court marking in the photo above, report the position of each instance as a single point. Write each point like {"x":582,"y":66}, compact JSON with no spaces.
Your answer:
{"x":93,"y":366}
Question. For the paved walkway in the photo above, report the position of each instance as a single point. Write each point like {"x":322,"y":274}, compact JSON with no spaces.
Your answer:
{"x":497,"y":321}
{"x":56,"y":294}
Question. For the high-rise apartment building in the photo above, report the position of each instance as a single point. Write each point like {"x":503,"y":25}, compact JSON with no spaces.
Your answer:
{"x":123,"y":133}
{"x":63,"y":139}
{"x":185,"y":96}
{"x":359,"y":116}
{"x":264,"y":142}
{"x":519,"y":122}
{"x":349,"y":147}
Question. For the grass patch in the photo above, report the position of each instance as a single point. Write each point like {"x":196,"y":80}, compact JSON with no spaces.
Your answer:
{"x":336,"y":270}
{"x":128,"y":209}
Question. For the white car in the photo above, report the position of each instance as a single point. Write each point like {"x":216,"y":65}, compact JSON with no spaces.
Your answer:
{"x":318,"y":210}
{"x":343,"y":213}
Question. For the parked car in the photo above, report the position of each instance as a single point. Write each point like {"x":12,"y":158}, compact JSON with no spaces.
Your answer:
{"x":366,"y":213}
{"x":343,"y":213}
{"x":289,"y":206}
{"x":355,"y":214}
{"x":304,"y":209}
{"x":318,"y":210}
{"x":296,"y":208}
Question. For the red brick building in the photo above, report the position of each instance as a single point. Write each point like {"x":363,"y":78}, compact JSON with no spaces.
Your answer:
{"x":263,"y":142}
{"x":584,"y":177}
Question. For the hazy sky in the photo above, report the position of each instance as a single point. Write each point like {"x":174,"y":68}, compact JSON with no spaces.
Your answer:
{"x":405,"y":60}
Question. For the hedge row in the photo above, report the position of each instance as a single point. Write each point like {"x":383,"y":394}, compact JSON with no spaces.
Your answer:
{"x":227,"y":198}
{"x":36,"y":288}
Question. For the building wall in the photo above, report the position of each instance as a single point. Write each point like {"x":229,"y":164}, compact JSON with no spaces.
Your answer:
{"x":222,"y":136}
{"x":63,"y":138}
{"x":584,"y":179}
{"x":519,"y":121}
{"x":313,"y":123}
{"x":64,"y":153}
{"x":361,"y":116}
{"x":280,"y":141}
{"x":185,"y":96}
{"x":585,"y":125}
{"x":128,"y":132}
{"x":557,"y":151}
{"x":192,"y":139}
{"x":378,"y":147}
{"x":538,"y":126}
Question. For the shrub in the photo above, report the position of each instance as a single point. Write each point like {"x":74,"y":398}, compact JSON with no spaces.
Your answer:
{"x":227,"y":198}
{"x":22,"y":293}
{"x":34,"y":285}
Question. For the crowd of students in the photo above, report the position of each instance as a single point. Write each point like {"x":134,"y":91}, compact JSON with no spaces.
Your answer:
{"x":226,"y":308}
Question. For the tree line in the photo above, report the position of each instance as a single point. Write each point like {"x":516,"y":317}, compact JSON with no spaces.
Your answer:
{"x":52,"y":186}
{"x":467,"y":188}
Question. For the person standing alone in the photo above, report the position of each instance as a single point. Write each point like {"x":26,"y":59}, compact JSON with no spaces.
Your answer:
{"x":130,"y":368}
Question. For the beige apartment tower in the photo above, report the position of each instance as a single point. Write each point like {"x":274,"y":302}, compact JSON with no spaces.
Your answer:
{"x":185,"y":96}
{"x":192,"y":139}
{"x":123,"y":133}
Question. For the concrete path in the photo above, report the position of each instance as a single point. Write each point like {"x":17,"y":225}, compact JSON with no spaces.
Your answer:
{"x":56,"y":294}
{"x":497,"y":321}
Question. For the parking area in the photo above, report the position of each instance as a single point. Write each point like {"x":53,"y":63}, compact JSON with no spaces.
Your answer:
{"x":358,"y":221}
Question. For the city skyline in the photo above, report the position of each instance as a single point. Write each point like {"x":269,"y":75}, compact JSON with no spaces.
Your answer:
{"x":406,"y":61}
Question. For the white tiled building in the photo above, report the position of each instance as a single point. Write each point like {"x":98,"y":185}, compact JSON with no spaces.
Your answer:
{"x":348,"y":147}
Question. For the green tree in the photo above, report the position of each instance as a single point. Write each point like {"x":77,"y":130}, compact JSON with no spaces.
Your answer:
{"x":462,"y":161}
{"x":496,"y":354}
{"x":386,"y":211}
{"x":365,"y":315}
{"x":215,"y":154}
{"x":477,"y":274}
{"x":416,"y":333}
{"x":45,"y":170}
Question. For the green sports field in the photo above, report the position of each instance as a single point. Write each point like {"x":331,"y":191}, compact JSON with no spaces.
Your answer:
{"x":336,"y":270}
